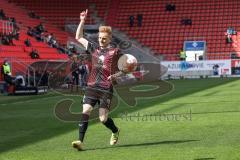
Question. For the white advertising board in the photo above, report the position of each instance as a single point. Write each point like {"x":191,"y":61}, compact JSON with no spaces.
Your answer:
{"x":218,"y":67}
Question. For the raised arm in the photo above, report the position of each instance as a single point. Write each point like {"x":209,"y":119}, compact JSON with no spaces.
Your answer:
{"x":79,"y":34}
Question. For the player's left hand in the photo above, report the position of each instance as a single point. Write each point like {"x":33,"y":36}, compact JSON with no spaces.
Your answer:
{"x":83,"y":15}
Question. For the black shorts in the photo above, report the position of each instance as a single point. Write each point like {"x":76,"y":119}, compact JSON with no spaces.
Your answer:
{"x":102,"y":97}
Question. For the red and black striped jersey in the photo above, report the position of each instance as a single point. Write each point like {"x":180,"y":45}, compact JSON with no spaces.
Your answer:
{"x":104,"y":64}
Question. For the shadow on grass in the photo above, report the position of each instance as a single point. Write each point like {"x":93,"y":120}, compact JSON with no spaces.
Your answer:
{"x":143,"y":144}
{"x":23,"y":125}
{"x":204,"y":158}
{"x":18,"y":98}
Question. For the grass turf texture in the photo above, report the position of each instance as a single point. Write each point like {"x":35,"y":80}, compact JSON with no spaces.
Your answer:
{"x":30,"y":131}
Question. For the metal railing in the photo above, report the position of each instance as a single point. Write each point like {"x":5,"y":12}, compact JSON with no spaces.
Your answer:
{"x":23,"y":68}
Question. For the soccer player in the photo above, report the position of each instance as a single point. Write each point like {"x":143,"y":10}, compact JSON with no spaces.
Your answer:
{"x":100,"y":88}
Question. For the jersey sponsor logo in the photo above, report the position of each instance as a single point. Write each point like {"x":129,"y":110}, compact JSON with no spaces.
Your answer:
{"x":101,"y":60}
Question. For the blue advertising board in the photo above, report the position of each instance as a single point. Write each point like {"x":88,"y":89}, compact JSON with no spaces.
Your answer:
{"x":194,"y":45}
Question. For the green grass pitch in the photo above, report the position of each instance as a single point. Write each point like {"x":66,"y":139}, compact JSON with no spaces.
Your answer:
{"x":199,"y":120}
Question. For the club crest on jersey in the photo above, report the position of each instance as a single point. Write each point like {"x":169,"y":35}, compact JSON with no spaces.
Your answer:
{"x":101,"y":60}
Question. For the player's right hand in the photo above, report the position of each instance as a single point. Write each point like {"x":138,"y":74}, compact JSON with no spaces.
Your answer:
{"x":83,"y":15}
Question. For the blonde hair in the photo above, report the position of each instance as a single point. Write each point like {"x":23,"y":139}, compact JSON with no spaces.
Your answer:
{"x":106,"y":29}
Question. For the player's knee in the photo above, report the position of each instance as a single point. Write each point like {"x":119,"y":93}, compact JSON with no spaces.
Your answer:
{"x":103,"y":118}
{"x":87,"y":109}
{"x":86,"y":112}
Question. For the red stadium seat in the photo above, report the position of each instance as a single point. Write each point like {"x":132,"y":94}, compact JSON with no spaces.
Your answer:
{"x":11,"y":48}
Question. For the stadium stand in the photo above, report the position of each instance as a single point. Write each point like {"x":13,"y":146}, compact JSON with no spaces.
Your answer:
{"x":18,"y":54}
{"x":161,"y":30}
{"x":165,"y":34}
{"x":60,"y":11}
